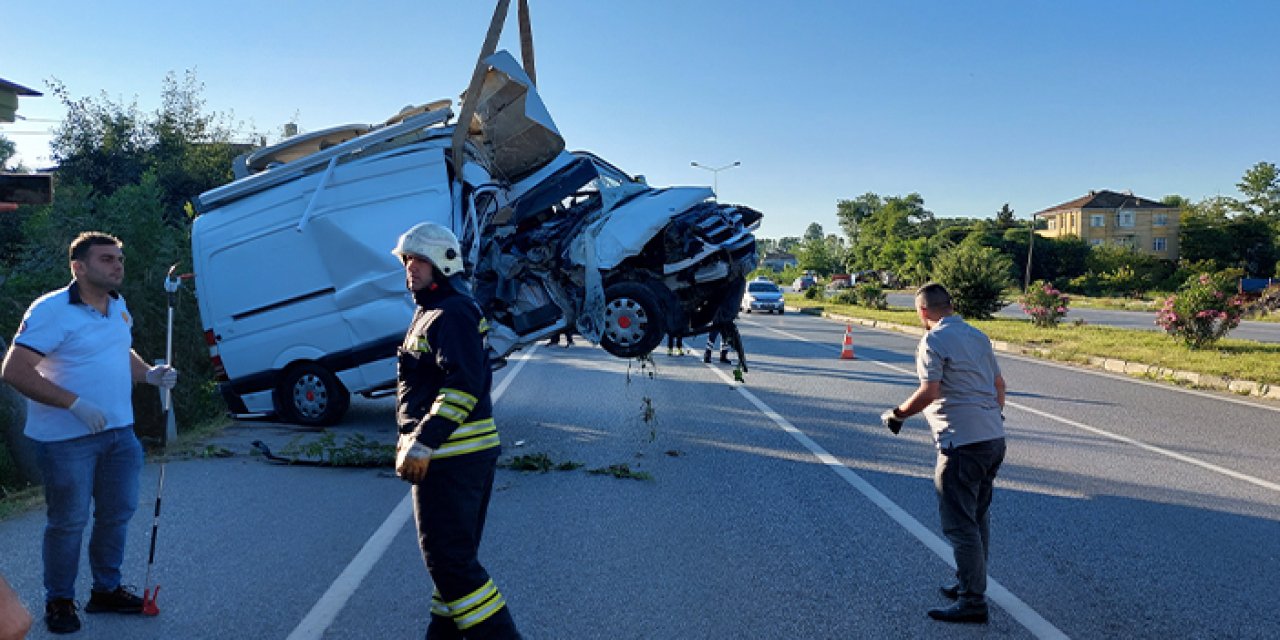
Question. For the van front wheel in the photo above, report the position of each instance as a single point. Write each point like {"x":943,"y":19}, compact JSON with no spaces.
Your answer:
{"x":311,"y":395}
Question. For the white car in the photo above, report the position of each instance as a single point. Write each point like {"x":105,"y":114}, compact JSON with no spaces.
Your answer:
{"x":763,"y":295}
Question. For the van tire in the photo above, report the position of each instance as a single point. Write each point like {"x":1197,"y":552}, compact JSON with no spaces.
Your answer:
{"x":633,"y":320}
{"x":310,"y":395}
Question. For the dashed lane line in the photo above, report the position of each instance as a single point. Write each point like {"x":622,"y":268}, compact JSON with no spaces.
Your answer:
{"x":326,"y":609}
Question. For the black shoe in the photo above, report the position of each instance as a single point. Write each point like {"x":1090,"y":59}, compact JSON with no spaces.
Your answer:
{"x":951,"y":591}
{"x":119,"y":601}
{"x":706,"y":357}
{"x":961,"y":611}
{"x":724,"y":357}
{"x":60,"y":616}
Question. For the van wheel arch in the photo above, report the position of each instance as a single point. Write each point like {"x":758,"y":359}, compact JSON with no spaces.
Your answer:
{"x":309,"y":394}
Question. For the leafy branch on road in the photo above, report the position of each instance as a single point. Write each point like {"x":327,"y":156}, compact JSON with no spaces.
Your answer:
{"x":621,"y":470}
{"x":354,"y":451}
{"x":539,"y":462}
{"x":542,"y":463}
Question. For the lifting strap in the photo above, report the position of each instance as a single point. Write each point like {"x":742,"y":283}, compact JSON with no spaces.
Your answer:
{"x":463,"y":124}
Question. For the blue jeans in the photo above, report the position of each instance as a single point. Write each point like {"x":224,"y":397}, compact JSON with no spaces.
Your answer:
{"x":964,"y":479}
{"x":100,"y":468}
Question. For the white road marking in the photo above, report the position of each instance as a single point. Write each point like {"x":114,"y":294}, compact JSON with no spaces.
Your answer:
{"x":1091,"y":429}
{"x":1023,"y":613}
{"x":326,"y":609}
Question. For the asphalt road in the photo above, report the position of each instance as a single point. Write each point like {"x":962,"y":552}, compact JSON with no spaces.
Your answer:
{"x":1144,"y":320}
{"x":775,"y":509}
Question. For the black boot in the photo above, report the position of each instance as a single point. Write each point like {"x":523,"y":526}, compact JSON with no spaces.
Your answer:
{"x":724,"y":357}
{"x":964,"y":610}
{"x":706,"y":357}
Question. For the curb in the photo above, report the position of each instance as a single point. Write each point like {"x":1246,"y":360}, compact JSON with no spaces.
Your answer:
{"x":1113,"y":365}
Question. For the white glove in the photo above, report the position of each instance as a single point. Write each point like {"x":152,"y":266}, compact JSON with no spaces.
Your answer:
{"x":162,"y":375}
{"x":90,"y":414}
{"x":412,"y":458}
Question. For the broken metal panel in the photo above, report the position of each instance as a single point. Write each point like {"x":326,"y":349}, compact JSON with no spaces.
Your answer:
{"x":515,"y":131}
{"x":631,"y":225}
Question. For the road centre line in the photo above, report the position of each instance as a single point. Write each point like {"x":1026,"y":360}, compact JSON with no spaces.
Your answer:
{"x":1023,"y":613}
{"x":326,"y":609}
{"x":1084,"y":427}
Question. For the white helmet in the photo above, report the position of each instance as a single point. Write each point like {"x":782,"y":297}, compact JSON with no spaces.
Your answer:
{"x":433,"y":242}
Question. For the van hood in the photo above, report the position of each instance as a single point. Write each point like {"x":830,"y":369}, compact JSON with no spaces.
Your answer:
{"x":629,"y":226}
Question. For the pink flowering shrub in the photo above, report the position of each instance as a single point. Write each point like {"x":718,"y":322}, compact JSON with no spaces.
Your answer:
{"x":1204,"y":309}
{"x":1045,"y":304}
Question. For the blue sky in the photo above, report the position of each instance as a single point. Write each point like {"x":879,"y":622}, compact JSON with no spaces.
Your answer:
{"x":970,"y":104}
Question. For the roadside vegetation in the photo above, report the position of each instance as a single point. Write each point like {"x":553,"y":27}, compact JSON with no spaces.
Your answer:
{"x":132,"y":174}
{"x":1073,"y":342}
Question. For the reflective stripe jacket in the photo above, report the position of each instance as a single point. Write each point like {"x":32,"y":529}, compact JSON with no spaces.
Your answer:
{"x":444,"y":376}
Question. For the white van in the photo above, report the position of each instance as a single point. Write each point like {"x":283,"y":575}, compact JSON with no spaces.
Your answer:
{"x":303,"y":303}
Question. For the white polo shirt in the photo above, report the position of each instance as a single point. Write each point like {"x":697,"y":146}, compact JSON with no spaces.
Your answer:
{"x":86,"y":353}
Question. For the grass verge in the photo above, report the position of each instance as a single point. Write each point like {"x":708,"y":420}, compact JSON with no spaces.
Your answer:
{"x":1229,"y":358}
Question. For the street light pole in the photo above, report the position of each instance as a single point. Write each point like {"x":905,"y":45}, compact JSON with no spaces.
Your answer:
{"x":715,"y":174}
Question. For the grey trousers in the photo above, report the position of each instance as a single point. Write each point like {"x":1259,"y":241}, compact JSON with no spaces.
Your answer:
{"x":964,"y":478}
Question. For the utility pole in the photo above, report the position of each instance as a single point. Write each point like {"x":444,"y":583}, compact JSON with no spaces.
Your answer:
{"x":1031,"y":245}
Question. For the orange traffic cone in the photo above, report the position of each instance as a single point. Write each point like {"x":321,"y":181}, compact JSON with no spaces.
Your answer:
{"x":846,"y":350}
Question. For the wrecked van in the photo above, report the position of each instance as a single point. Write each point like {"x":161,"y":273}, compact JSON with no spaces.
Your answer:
{"x":303,"y":304}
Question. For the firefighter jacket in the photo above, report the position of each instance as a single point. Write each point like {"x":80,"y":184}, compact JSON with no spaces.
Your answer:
{"x":444,"y":376}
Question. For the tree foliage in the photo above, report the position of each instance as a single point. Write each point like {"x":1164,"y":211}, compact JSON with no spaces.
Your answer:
{"x":976,"y":277}
{"x":1260,"y":187}
{"x":131,"y":174}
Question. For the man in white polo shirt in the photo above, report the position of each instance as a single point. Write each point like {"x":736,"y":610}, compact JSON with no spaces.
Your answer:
{"x":961,"y":394}
{"x":73,"y":359}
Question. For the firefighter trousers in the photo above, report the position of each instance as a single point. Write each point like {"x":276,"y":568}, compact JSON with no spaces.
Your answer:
{"x":449,"y":507}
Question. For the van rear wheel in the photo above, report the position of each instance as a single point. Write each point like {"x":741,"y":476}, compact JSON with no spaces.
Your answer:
{"x":309,"y":394}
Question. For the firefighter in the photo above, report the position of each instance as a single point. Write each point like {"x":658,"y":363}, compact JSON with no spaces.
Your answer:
{"x":445,"y":419}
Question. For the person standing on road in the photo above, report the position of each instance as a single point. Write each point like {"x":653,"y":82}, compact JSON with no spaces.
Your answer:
{"x":675,"y":345}
{"x":73,"y":360}
{"x":711,"y":346}
{"x":961,"y":393}
{"x":445,"y":419}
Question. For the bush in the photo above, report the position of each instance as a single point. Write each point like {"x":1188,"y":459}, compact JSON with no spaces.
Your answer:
{"x":813,"y":293}
{"x":1204,"y":309}
{"x":870,"y":295}
{"x":976,"y":277}
{"x":844,"y":296}
{"x":1045,"y":304}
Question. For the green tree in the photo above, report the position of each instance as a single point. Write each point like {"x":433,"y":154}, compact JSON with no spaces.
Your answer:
{"x":1004,"y":217}
{"x":976,"y":276}
{"x":822,"y":255}
{"x":7,"y":151}
{"x":813,"y":232}
{"x":1260,"y":187}
{"x":898,"y":218}
{"x":130,"y":174}
{"x":851,"y":213}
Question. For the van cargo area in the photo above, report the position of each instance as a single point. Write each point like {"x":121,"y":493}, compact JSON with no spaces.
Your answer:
{"x":303,"y":303}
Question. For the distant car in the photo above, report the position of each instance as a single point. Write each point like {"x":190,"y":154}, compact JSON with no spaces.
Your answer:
{"x":763,"y":296}
{"x":803,"y":282}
